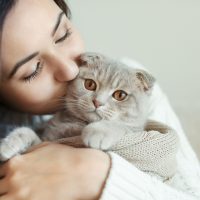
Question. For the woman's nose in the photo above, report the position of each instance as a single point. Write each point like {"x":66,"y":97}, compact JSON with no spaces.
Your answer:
{"x":64,"y":68}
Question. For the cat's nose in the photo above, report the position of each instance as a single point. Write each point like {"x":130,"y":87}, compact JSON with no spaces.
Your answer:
{"x":96,"y":103}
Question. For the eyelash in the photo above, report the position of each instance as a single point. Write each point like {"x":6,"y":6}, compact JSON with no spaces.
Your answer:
{"x":39,"y":67}
{"x":35,"y":73}
{"x":67,"y":34}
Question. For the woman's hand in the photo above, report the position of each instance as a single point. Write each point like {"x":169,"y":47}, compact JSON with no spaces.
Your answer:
{"x":54,"y":172}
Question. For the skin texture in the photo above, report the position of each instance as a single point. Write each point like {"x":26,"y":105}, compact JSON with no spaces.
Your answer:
{"x":28,"y":28}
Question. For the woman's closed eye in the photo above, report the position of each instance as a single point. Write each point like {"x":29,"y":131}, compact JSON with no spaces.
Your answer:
{"x":34,"y":74}
{"x":65,"y":36}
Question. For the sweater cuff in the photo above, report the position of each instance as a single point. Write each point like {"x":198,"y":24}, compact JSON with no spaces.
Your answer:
{"x":125,"y":181}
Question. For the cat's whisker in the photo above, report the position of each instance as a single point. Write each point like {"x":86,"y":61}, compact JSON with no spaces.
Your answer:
{"x":105,"y":113}
{"x":60,"y":102}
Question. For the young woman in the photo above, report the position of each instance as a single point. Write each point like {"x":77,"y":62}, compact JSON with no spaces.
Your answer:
{"x":39,"y":51}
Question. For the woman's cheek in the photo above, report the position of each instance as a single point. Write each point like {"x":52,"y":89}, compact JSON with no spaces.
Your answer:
{"x":40,"y":92}
{"x":33,"y":96}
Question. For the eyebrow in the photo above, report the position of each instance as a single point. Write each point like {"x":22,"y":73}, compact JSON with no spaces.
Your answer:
{"x":30,"y":57}
{"x":57,"y":23}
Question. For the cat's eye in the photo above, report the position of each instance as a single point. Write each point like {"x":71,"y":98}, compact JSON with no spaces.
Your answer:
{"x":90,"y":84}
{"x":119,"y":95}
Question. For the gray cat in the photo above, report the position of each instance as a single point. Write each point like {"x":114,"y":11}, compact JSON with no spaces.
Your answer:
{"x":106,"y":101}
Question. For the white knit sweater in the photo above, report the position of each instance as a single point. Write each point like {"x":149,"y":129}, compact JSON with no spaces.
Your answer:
{"x":126,"y":182}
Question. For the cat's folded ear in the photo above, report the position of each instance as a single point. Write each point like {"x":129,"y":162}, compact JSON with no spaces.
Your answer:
{"x":89,"y":58}
{"x":146,"y":79}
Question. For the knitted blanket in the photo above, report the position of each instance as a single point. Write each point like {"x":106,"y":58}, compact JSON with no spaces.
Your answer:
{"x":152,"y":150}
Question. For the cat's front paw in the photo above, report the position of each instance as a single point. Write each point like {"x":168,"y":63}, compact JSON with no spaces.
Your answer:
{"x":17,"y":142}
{"x":97,"y":138}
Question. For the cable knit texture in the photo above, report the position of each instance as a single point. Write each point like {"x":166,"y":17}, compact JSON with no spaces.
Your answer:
{"x":152,"y":150}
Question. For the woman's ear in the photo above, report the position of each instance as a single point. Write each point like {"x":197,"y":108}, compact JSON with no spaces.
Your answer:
{"x":146,"y":79}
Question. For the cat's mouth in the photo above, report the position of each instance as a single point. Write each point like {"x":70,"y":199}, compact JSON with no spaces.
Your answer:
{"x":94,"y":112}
{"x":94,"y":115}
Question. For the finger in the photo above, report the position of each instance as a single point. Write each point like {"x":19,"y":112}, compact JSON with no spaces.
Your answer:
{"x":2,"y":170}
{"x":5,"y":197}
{"x":3,"y":187}
{"x":38,"y":146}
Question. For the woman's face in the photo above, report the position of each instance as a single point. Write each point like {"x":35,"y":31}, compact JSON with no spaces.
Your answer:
{"x":39,"y":53}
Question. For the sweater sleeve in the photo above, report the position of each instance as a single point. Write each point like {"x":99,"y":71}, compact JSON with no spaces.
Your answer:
{"x":125,"y":181}
{"x":10,"y":119}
